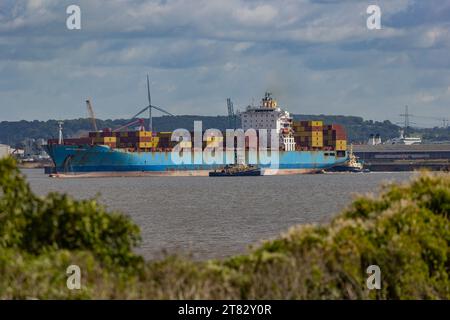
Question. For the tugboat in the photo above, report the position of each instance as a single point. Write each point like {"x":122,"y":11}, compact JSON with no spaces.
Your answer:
{"x":352,"y":164}
{"x":236,"y":170}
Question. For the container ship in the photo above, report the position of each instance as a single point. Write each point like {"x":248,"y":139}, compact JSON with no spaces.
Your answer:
{"x":304,"y":147}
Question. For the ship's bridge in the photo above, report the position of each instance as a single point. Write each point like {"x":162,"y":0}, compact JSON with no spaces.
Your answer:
{"x":267,"y":116}
{"x":268,"y":101}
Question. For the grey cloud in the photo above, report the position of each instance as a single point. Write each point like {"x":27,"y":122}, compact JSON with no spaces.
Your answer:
{"x":317,"y":56}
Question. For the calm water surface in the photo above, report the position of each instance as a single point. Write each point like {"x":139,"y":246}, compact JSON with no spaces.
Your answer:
{"x":217,"y":217}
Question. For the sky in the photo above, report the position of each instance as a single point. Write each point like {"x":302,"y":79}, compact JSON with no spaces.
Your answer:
{"x":315,"y":56}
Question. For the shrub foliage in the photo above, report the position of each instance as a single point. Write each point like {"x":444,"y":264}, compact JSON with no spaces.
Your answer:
{"x":39,"y":224}
{"x":405,"y":231}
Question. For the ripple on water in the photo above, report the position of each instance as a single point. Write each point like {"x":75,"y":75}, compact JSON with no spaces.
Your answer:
{"x":217,"y":217}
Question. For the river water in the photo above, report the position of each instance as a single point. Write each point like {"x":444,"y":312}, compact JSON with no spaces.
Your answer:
{"x":217,"y":217}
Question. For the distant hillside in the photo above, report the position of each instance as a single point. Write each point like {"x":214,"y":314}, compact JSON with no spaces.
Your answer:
{"x":358,"y":129}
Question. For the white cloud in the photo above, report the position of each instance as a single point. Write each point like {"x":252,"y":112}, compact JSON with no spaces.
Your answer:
{"x":427,"y":97}
{"x":317,"y":56}
{"x":261,"y":15}
{"x":242,"y":46}
{"x":230,"y":66}
{"x":432,"y":37}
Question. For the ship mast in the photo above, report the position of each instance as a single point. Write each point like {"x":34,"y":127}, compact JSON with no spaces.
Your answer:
{"x":60,"y":127}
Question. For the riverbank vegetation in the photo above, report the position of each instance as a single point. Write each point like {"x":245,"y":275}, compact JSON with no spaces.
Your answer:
{"x":405,"y":231}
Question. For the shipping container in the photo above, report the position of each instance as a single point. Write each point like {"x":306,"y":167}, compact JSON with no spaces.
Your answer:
{"x":213,"y":138}
{"x":165,"y":134}
{"x":135,"y":139}
{"x":341,"y":145}
{"x":144,"y":145}
{"x":103,"y":140}
{"x":317,"y":134}
{"x":185,"y":144}
{"x":314,"y":123}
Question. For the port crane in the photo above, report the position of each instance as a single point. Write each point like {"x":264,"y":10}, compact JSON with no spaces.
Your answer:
{"x":91,"y":114}
{"x":149,"y":108}
{"x":231,"y":114}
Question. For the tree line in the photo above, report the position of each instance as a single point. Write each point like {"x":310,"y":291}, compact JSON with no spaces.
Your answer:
{"x":14,"y":133}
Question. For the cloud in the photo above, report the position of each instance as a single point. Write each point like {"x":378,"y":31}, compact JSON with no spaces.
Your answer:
{"x":261,"y":15}
{"x":317,"y":56}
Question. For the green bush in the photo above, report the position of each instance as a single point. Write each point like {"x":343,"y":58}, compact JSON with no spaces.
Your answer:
{"x":405,"y":231}
{"x":40,"y":224}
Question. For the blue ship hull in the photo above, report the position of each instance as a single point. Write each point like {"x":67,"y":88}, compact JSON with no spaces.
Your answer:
{"x":102,"y":159}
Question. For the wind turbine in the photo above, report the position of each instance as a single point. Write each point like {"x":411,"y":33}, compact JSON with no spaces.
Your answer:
{"x":149,"y":108}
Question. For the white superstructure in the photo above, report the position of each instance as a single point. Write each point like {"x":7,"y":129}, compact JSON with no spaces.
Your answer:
{"x":270,"y":116}
{"x":267,"y":116}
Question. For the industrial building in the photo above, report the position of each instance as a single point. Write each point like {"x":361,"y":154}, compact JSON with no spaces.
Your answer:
{"x":400,"y":157}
